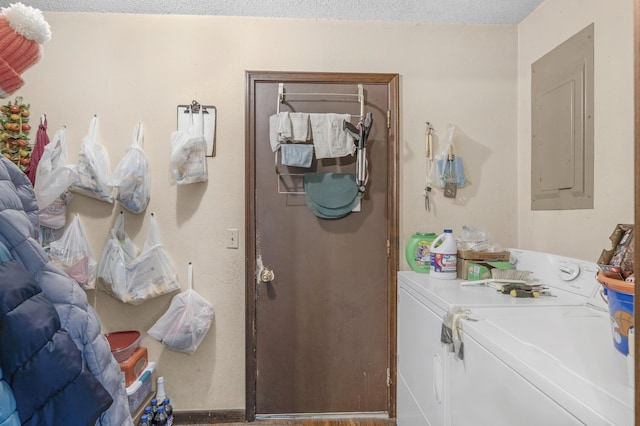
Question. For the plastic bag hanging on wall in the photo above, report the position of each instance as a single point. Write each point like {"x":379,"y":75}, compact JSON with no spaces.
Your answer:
{"x":187,"y":321}
{"x":93,"y":168}
{"x":74,"y":255}
{"x":131,"y":178}
{"x":188,"y":163}
{"x":134,"y":276}
{"x":450,"y":168}
{"x":208,"y":122}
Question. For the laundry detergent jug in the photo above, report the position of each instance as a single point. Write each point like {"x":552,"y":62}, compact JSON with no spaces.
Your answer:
{"x":418,"y":251}
{"x":444,"y":257}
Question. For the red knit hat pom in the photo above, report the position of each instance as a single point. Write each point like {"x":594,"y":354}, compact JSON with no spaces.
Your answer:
{"x":22,"y":31}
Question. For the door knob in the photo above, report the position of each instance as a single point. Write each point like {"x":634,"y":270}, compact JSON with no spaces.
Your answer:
{"x":266,"y":275}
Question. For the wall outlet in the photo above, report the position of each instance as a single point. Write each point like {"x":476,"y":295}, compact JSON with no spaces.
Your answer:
{"x":232,"y":238}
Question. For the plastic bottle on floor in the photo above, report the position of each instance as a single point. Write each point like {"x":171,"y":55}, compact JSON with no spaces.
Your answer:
{"x":144,"y":421}
{"x":160,"y":395}
{"x":160,"y":418}
{"x":444,"y":256}
{"x":168,"y":409}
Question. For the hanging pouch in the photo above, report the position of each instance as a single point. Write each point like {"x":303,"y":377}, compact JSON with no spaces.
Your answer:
{"x":131,"y":179}
{"x":93,"y":167}
{"x":188,"y":162}
{"x":450,"y":168}
{"x":73,"y":254}
{"x":186,"y":322}
{"x":133,"y":277}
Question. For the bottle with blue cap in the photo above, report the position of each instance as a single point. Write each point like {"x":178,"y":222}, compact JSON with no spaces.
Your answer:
{"x":144,"y":421}
{"x":168,"y":409}
{"x":160,"y":418}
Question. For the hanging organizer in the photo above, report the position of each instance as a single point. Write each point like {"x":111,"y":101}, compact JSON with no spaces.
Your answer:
{"x":209,"y":114}
{"x":284,"y":96}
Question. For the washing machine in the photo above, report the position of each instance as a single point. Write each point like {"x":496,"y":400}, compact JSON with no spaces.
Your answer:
{"x":435,"y":385}
{"x":552,"y":366}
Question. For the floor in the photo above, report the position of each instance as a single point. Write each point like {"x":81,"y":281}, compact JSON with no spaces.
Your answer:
{"x":345,"y":422}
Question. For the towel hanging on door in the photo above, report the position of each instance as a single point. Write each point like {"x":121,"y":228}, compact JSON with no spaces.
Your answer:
{"x":286,"y":127}
{"x":297,"y":155}
{"x":330,"y":139}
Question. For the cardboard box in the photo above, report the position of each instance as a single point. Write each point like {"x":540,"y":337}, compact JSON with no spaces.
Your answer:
{"x":482,"y":270}
{"x":465,"y":257}
{"x":617,"y":262}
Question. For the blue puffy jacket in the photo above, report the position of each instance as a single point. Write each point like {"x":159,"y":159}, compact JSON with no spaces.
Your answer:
{"x":8,"y":411}
{"x":19,"y":229}
{"x":50,"y":381}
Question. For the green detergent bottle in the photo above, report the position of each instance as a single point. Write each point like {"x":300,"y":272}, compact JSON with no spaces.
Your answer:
{"x":418,"y":251}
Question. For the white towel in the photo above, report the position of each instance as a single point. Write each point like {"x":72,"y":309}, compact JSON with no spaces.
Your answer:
{"x":284,"y":126}
{"x":329,"y":138}
{"x":299,"y":126}
{"x":274,"y":140}
{"x":282,"y":129}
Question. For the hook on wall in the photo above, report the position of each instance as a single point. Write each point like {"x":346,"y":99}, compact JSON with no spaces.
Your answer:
{"x":195,"y":108}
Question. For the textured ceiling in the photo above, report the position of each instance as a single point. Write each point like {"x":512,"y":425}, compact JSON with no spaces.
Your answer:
{"x":454,"y":11}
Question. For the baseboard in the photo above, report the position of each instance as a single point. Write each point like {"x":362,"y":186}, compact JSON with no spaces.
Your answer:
{"x":208,"y":417}
{"x":369,"y":415}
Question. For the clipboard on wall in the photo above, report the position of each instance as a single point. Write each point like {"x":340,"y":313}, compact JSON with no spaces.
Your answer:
{"x":209,"y":117}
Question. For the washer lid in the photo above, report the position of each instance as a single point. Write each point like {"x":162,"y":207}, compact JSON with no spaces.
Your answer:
{"x":566,"y":352}
{"x":448,"y":294}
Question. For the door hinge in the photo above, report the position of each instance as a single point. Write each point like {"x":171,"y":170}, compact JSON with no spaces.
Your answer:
{"x":388,"y":249}
{"x":388,"y":378}
{"x":388,"y":119}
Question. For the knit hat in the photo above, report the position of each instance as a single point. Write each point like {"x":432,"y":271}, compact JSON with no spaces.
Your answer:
{"x":22,"y":31}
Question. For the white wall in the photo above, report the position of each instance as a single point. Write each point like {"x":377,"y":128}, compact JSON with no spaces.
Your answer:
{"x":129,"y":68}
{"x":582,"y":233}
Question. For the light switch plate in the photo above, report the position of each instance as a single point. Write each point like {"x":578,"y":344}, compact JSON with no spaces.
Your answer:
{"x":232,"y":238}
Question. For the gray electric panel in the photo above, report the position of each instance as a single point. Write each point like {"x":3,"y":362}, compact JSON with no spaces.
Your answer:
{"x":562,"y":126}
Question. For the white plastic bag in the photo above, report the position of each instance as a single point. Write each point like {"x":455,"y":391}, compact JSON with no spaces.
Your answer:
{"x":53,"y":175}
{"x":449,"y":164}
{"x":93,"y":167}
{"x":131,"y":179}
{"x":188,"y":162}
{"x":133,"y":277}
{"x":186,"y":322}
{"x":73,"y":254}
{"x":54,"y":216}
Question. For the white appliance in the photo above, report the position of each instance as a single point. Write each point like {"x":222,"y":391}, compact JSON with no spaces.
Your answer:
{"x":526,"y":361}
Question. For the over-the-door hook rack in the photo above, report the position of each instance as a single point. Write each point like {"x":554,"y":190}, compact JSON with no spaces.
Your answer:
{"x":359,"y":96}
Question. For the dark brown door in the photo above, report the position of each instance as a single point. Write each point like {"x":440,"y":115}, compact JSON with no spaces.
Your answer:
{"x":320,"y":329}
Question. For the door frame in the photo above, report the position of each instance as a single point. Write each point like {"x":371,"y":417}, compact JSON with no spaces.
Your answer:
{"x":393,"y":181}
